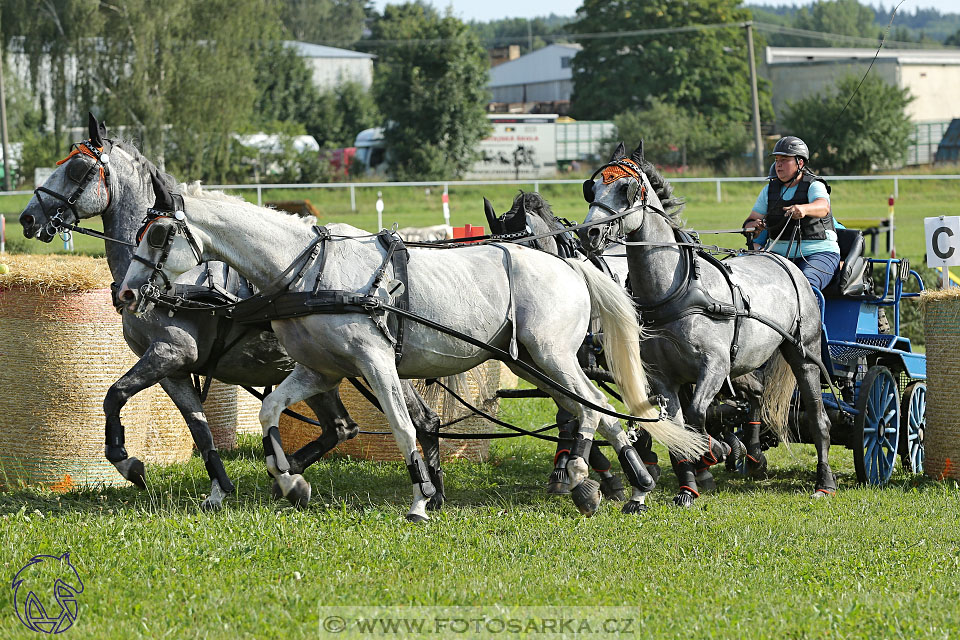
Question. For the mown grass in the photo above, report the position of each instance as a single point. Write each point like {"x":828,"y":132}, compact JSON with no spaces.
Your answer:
{"x":757,"y":558}
{"x":417,"y":206}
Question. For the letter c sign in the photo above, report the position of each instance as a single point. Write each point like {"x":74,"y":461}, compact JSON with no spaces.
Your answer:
{"x":943,"y":241}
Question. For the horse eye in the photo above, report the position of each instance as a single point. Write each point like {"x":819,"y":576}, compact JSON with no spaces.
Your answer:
{"x":157,"y":236}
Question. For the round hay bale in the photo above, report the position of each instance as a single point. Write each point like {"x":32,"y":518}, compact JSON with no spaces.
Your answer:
{"x":221,"y":410}
{"x":62,"y":346}
{"x":941,"y":325}
{"x":478,"y":386}
{"x":248,"y":412}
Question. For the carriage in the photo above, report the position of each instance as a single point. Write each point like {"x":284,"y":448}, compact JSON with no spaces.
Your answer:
{"x":878,"y":398}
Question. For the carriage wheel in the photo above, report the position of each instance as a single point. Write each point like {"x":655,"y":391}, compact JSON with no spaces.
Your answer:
{"x":913,"y":424}
{"x":876,"y":426}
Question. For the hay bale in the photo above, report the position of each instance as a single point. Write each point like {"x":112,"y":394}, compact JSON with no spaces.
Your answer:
{"x":478,"y":386}
{"x":941,"y":324}
{"x":61,"y":347}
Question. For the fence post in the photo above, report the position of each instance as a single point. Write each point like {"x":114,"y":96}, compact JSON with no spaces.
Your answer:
{"x":719,"y":195}
{"x":896,"y":187}
{"x":353,"y":198}
{"x":259,"y":196}
{"x":536,"y":187}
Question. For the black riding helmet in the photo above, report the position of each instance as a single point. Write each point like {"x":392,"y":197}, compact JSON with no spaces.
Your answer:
{"x":791,"y":146}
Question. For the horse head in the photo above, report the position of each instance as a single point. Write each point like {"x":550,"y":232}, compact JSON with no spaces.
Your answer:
{"x":620,"y":191}
{"x":166,"y":249}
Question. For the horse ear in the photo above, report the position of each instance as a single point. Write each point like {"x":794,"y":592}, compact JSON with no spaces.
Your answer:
{"x":164,"y":202}
{"x":637,"y":154}
{"x":619,"y":153}
{"x":490,"y":213}
{"x":94,"y":129}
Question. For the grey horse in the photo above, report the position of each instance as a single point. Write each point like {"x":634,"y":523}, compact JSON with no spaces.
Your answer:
{"x":113,"y":180}
{"x":711,"y":319}
{"x":501,"y":295}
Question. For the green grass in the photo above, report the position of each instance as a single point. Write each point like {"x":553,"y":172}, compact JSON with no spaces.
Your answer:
{"x":413,"y":206}
{"x":757,"y":557}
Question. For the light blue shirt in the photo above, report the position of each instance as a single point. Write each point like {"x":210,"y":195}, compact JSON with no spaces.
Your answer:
{"x":808,"y":247}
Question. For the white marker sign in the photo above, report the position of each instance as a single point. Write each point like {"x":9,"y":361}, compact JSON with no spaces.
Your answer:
{"x":943,"y":241}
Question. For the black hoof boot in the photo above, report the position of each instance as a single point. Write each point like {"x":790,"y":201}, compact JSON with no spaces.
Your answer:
{"x":738,"y":453}
{"x":718,"y":452}
{"x":137,"y":474}
{"x":826,"y":481}
{"x":299,"y":494}
{"x":634,"y":507}
{"x":612,"y":488}
{"x":685,"y":498}
{"x":654,"y":471}
{"x":756,"y":463}
{"x":415,"y":517}
{"x":706,"y":481}
{"x":559,"y":482}
{"x":586,"y":496}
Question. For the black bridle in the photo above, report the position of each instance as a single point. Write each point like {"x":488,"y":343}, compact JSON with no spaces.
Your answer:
{"x":162,"y":238}
{"x":637,"y":200}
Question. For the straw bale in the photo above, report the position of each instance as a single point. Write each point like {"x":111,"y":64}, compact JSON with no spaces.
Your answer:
{"x":478,"y":386}
{"x":941,"y":315}
{"x":61,"y":348}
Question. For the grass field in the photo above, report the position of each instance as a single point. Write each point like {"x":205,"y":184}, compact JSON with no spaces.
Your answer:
{"x":757,"y":559}
{"x":413,"y":206}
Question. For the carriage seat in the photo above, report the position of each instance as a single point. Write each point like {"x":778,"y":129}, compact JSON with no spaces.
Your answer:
{"x":849,"y":279}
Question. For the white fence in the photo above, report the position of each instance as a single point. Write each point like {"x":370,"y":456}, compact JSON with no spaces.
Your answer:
{"x":353,"y":186}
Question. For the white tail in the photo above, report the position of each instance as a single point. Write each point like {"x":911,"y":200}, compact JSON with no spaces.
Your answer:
{"x":778,"y":386}
{"x":621,"y":346}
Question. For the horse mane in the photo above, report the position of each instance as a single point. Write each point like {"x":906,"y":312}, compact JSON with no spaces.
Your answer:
{"x":673,"y":205}
{"x":532,"y":202}
{"x":147,"y":165}
{"x":195,"y":190}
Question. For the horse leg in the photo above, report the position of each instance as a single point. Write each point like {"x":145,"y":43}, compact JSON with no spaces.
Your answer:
{"x":808,"y":381}
{"x":713,"y":372}
{"x":426,"y":423}
{"x":634,"y":469}
{"x":381,"y":374}
{"x":302,"y":383}
{"x":185,"y":396}
{"x":338,"y":426}
{"x":559,"y":482}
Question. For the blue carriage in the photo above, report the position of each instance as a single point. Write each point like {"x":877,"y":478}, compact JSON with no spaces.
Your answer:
{"x":878,"y":409}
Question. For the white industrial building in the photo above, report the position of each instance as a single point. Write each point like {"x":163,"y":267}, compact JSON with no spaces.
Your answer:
{"x":931,"y":75}
{"x":544,"y":75}
{"x":332,"y":66}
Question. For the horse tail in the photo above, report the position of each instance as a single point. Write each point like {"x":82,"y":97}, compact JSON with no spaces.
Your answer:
{"x":778,"y":386}
{"x":621,"y":346}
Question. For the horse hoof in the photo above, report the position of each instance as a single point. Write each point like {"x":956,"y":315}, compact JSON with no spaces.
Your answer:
{"x":822,"y":493}
{"x":436,"y":502}
{"x":654,"y":471}
{"x":210,"y":506}
{"x":137,"y":474}
{"x":275,"y":492}
{"x":684,"y":499}
{"x":612,"y":488}
{"x":299,"y":494}
{"x":757,"y":466}
{"x":558,"y":488}
{"x":416,"y":517}
{"x":706,"y":481}
{"x":635,"y":506}
{"x":586,"y":496}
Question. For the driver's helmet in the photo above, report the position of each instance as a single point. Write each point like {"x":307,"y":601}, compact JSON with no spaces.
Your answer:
{"x":791,"y":146}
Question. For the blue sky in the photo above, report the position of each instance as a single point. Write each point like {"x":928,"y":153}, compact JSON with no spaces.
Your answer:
{"x":495,"y":9}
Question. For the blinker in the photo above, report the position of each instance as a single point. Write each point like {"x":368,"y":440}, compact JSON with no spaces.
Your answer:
{"x":157,"y":236}
{"x":588,"y":190}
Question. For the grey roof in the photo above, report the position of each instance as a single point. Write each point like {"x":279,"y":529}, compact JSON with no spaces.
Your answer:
{"x":309,"y":50}
{"x":793,"y":55}
{"x":542,"y":65}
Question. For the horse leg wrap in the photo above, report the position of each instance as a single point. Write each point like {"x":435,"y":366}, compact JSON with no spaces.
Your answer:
{"x":717,"y":452}
{"x":419,"y":475}
{"x":581,"y":447}
{"x":272,"y":447}
{"x":635,"y":470}
{"x":686,"y":476}
{"x":598,"y":461}
{"x":216,"y":471}
{"x":114,"y":450}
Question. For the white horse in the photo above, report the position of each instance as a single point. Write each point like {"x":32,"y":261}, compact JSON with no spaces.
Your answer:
{"x":503,"y":295}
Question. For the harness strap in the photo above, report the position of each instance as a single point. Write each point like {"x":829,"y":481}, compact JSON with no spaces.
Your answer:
{"x":397,"y":256}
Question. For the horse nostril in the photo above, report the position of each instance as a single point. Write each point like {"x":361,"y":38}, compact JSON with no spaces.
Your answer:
{"x":127,"y":295}
{"x":593,"y":233}
{"x":27,"y":220}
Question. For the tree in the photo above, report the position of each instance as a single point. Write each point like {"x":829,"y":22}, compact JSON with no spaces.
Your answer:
{"x":337,"y":22}
{"x":286,"y":92}
{"x":704,"y":71}
{"x":842,"y":17}
{"x":342,"y":113}
{"x":431,"y":92}
{"x":953,"y":40}
{"x":874,"y":129}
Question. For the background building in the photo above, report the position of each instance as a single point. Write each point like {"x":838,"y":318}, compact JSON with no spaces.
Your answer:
{"x":544,"y":75}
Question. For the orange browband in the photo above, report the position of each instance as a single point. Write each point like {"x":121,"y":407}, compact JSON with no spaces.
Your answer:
{"x":623,"y":169}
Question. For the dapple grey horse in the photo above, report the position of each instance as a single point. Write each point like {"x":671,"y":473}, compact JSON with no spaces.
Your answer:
{"x":712,"y":320}
{"x":113,"y":180}
{"x":502,"y":295}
